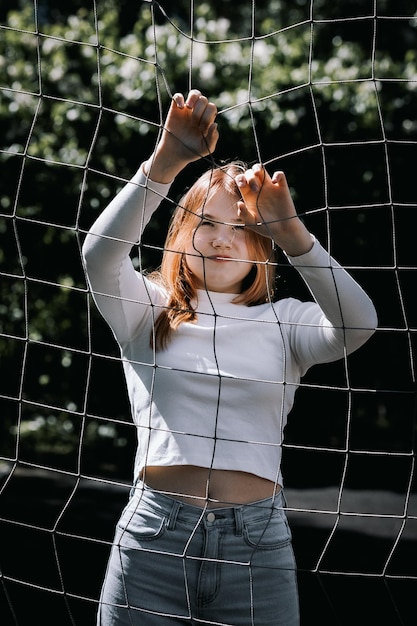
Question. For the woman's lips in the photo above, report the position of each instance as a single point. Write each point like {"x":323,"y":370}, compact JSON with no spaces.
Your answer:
{"x":220,"y":257}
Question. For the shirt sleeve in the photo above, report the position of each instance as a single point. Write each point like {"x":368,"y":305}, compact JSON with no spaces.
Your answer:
{"x":122,"y":295}
{"x":341,"y":318}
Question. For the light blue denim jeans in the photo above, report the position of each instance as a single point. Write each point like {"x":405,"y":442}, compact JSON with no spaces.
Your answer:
{"x":173,"y":563}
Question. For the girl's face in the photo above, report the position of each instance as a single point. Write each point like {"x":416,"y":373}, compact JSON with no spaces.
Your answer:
{"x":217,"y":253}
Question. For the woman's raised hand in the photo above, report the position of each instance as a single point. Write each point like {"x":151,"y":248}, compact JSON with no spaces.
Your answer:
{"x":190,"y":126}
{"x":268,"y":208}
{"x":189,"y":133}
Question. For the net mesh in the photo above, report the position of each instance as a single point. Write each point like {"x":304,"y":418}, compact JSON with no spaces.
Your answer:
{"x":324,"y":91}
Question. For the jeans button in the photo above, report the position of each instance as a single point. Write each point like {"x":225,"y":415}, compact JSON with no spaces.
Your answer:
{"x":211,"y":517}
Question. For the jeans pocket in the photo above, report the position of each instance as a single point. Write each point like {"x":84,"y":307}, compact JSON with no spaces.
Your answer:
{"x":268,"y":533}
{"x":140,"y":523}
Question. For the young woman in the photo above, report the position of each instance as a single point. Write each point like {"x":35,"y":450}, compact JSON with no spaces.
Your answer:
{"x":212,"y":363}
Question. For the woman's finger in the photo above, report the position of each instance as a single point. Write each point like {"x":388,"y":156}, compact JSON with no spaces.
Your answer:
{"x":192,"y":98}
{"x":278,"y":177}
{"x":178,"y":98}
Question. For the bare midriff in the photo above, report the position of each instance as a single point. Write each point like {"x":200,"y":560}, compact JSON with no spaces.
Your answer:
{"x":203,"y":487}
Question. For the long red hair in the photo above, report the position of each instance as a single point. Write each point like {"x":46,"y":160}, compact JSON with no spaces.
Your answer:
{"x":174,"y":273}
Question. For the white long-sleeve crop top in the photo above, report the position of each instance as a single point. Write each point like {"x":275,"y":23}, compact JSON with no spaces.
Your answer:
{"x":219,"y":395}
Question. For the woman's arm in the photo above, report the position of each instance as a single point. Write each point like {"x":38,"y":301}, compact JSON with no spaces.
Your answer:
{"x":120,"y":293}
{"x":346,"y":316}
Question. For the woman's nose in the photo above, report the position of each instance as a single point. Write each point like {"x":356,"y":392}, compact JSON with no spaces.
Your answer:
{"x":224,"y":239}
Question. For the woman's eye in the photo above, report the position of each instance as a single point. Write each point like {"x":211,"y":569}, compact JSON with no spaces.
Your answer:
{"x":206,"y":223}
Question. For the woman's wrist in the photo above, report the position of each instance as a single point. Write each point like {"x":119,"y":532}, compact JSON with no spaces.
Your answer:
{"x":299,"y":242}
{"x":163,"y":166}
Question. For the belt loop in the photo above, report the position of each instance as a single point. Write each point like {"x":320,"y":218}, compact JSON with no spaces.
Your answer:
{"x":172,"y":519}
{"x":238,"y":521}
{"x":133,"y":488}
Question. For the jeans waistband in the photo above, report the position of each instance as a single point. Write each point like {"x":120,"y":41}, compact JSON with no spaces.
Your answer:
{"x":175,"y":509}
